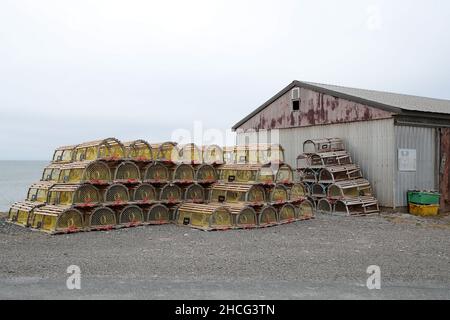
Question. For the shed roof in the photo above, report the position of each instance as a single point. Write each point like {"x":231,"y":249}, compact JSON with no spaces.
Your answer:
{"x":392,"y":102}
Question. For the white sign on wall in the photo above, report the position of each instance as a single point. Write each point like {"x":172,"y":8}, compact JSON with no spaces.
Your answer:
{"x":407,"y":160}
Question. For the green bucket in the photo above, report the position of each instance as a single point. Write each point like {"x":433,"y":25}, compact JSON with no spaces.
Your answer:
{"x":423,"y":197}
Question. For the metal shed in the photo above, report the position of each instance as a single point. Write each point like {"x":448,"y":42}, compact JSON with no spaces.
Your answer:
{"x":401,"y":142}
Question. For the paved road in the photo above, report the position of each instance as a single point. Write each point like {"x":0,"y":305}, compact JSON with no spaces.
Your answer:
{"x":323,"y":258}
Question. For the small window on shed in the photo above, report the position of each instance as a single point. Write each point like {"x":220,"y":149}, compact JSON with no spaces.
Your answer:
{"x":295,"y":98}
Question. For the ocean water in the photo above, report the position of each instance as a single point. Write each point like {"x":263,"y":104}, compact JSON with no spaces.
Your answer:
{"x":15,"y":179}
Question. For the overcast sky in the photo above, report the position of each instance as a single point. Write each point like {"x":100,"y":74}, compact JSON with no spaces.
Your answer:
{"x":72,"y":71}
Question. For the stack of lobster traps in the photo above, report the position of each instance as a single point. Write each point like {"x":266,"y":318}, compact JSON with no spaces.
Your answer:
{"x":334,"y":183}
{"x":255,"y":189}
{"x":107,"y":184}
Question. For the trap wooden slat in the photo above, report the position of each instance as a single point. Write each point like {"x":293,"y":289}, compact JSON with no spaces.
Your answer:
{"x":57,"y":219}
{"x":75,"y":195}
{"x":335,"y":174}
{"x":168,"y":152}
{"x":94,"y":172}
{"x":349,"y":189}
{"x":190,"y":153}
{"x":212,"y":155}
{"x":21,"y":213}
{"x":356,"y":206}
{"x":139,"y":150}
{"x":39,"y":191}
{"x":235,"y":192}
{"x":323,"y":145}
{"x":64,"y":154}
{"x":205,"y":216}
{"x":109,"y":149}
{"x":238,"y":173}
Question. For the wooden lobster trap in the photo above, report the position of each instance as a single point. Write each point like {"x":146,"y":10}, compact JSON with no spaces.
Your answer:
{"x":312,"y":201}
{"x":109,"y":149}
{"x":127,"y":172}
{"x":205,"y":174}
{"x":309,"y":175}
{"x":322,"y":160}
{"x":325,"y":206}
{"x":190,"y":153}
{"x":267,"y":216}
{"x":183,"y":174}
{"x":38,"y":192}
{"x":100,"y":218}
{"x":268,"y":153}
{"x":52,"y":172}
{"x":171,"y":194}
{"x":319,"y":190}
{"x":94,"y":172}
{"x":64,"y":154}
{"x":194,"y":193}
{"x":144,"y":193}
{"x":349,"y":189}
{"x":212,"y":155}
{"x":139,"y":150}
{"x":204,"y":216}
{"x":57,"y":219}
{"x":356,"y":206}
{"x":246,"y":173}
{"x":245,"y":156}
{"x":283,"y":173}
{"x":234,"y":193}
{"x":287,"y":214}
{"x":157,"y":214}
{"x":339,"y":173}
{"x":21,"y":213}
{"x":244,"y":216}
{"x":75,"y":195}
{"x":167,"y":152}
{"x":156,"y":173}
{"x":229,"y":155}
{"x":129,"y":216}
{"x":305,"y":210}
{"x":278,"y":195}
{"x":298,"y":192}
{"x":323,"y":145}
{"x":116,"y":194}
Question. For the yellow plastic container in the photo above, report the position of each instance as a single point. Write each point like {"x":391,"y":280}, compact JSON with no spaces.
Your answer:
{"x":424,"y":210}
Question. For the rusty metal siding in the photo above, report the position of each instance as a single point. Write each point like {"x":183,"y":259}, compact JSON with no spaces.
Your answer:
{"x":315,"y":109}
{"x":371,"y":144}
{"x":424,"y":141}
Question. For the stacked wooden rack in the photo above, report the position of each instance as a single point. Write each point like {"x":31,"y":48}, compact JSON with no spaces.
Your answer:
{"x":335,"y":184}
{"x":107,"y":184}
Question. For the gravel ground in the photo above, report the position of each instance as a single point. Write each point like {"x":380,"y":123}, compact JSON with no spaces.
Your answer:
{"x":322,"y":258}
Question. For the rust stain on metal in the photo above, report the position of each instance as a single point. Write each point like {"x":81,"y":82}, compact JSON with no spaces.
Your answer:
{"x":315,"y":109}
{"x":444,"y":181}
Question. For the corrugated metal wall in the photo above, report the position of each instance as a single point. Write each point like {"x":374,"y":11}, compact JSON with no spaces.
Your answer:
{"x":424,"y":141}
{"x":371,"y":144}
